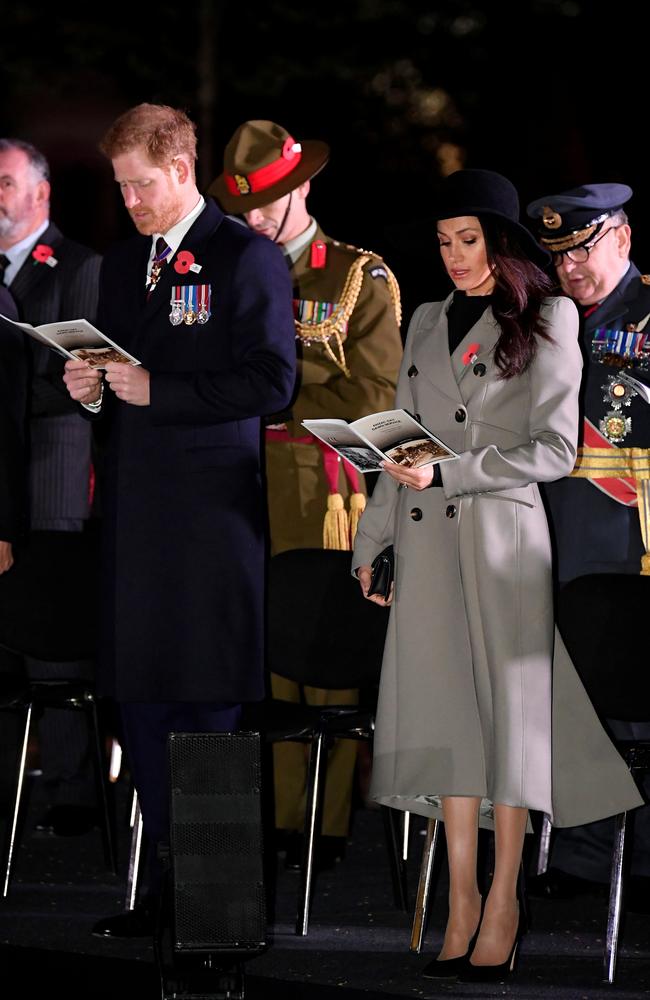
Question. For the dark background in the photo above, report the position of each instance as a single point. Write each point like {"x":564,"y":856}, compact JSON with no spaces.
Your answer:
{"x":550,"y":92}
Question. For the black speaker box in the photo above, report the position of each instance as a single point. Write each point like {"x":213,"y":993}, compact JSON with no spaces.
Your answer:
{"x":218,"y":899}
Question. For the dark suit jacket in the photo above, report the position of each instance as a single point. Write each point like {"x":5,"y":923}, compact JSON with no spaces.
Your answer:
{"x":46,"y":294}
{"x":13,"y":411}
{"x":59,"y":468}
{"x":185,"y":512}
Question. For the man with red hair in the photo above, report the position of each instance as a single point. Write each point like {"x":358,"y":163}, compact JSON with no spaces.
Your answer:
{"x":205,"y":305}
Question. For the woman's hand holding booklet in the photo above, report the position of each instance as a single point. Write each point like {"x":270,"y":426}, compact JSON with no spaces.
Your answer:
{"x":390,"y":436}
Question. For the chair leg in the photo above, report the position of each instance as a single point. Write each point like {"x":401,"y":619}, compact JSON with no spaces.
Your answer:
{"x":615,"y":899}
{"x":544,"y":845}
{"x":18,"y":799}
{"x":135,"y":855}
{"x":100,"y":784}
{"x":406,"y":829}
{"x":421,"y":913}
{"x":396,"y":855}
{"x":313,"y":812}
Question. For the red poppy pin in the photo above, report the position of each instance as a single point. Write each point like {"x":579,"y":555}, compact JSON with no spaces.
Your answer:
{"x":43,"y":254}
{"x":185,"y":262}
{"x":471,"y":354}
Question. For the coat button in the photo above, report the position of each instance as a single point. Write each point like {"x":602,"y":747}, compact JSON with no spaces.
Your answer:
{"x":460,"y":415}
{"x":416,"y":514}
{"x":412,"y":372}
{"x":451,"y":511}
{"x":480,"y":369}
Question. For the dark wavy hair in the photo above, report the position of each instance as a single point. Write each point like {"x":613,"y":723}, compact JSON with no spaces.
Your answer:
{"x":520,"y":287}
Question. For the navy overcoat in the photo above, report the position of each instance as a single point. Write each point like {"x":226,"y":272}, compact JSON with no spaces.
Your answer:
{"x":184,"y":507}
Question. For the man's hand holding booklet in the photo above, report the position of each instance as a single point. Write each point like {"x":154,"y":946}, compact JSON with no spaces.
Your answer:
{"x":76,"y":339}
{"x":390,"y":436}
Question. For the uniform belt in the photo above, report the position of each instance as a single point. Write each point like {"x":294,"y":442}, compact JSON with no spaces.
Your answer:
{"x":339,"y":529}
{"x":621,"y":473}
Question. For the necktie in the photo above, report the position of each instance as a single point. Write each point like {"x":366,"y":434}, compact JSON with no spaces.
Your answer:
{"x":160,"y":256}
{"x":4,"y":264}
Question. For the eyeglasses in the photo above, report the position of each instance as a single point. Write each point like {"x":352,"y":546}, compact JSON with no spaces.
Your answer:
{"x":580,"y":254}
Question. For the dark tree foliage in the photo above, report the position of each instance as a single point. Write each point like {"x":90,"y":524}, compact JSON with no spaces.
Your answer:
{"x":550,"y":92}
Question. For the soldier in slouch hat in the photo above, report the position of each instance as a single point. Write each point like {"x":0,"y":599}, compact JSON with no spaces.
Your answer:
{"x":347,"y":315}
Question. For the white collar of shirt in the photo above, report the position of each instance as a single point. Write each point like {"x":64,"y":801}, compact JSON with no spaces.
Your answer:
{"x":295,"y":247}
{"x":175,"y":236}
{"x":17,"y":254}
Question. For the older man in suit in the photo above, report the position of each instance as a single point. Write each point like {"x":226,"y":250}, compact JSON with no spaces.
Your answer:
{"x":205,"y":305}
{"x":596,"y":513}
{"x":51,"y":278}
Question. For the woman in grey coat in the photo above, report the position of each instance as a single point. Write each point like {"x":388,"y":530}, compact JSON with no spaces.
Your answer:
{"x":481,"y":715}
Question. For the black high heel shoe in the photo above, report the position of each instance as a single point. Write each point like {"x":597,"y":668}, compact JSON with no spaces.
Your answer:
{"x":494,"y":973}
{"x":451,"y":968}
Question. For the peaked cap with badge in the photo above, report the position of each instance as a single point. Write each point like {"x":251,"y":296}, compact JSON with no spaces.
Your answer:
{"x":572,"y":218}
{"x":606,"y":528}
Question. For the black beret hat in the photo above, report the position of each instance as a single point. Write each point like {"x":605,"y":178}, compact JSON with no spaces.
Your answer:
{"x":572,"y":218}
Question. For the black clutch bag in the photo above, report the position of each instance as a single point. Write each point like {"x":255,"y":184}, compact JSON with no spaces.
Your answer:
{"x":383,"y":571}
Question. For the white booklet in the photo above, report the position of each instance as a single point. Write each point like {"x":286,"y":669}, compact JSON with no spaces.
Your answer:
{"x":392,"y":436}
{"x":77,"y":339}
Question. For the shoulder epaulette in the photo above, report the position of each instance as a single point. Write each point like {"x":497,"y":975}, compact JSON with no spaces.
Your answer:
{"x":336,"y":323}
{"x":380,"y":269}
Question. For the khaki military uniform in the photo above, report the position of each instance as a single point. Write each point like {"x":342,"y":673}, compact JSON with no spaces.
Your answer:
{"x":358,"y":380}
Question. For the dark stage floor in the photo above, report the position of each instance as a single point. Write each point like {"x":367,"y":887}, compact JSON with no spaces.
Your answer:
{"x":357,"y":947}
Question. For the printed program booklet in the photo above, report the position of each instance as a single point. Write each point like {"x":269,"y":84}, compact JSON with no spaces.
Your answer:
{"x":392,"y":435}
{"x":77,"y":339}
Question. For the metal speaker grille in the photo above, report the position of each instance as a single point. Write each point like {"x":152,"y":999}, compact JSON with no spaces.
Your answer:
{"x":216,"y":841}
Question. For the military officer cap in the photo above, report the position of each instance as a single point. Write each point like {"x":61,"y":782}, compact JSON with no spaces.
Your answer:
{"x":262,"y":162}
{"x":571,"y":219}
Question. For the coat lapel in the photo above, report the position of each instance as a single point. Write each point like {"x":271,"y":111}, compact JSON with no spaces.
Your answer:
{"x":31,"y":274}
{"x":450,"y":374}
{"x":485,"y":333}
{"x":431,"y":355}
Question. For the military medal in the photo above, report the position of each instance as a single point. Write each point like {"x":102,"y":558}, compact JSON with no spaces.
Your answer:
{"x":204,"y":299}
{"x":311,"y":313}
{"x":156,"y":268}
{"x":614,"y":426}
{"x":176,"y":312}
{"x":189,"y":316}
{"x":190,"y":304}
{"x":618,"y":394}
{"x":620,"y":348}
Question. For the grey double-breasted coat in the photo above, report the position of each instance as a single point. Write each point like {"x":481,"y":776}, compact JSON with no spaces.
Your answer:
{"x":478,"y":695}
